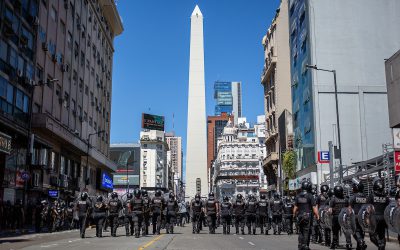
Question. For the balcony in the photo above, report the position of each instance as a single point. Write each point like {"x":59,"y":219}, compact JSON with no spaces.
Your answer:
{"x":272,"y":158}
{"x":268,"y":67}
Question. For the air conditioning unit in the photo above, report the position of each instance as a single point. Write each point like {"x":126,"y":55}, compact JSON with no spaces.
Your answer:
{"x":45,"y":46}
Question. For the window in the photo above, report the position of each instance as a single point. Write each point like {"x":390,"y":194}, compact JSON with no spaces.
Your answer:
{"x":6,"y":95}
{"x":13,"y":60}
{"x":3,"y":50}
{"x":53,"y":13}
{"x":29,"y":71}
{"x":62,"y":25}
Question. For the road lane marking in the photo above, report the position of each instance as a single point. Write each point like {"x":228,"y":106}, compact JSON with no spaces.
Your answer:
{"x":150,"y":242}
{"x":251,"y":243}
{"x":241,"y":238}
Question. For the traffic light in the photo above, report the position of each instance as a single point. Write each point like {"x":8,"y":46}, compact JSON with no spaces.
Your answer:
{"x":198,"y":185}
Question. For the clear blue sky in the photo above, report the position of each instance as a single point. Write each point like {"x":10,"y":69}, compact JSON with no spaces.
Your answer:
{"x":151,"y":60}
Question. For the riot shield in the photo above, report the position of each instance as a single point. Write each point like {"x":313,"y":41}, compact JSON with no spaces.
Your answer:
{"x":347,"y":220}
{"x":392,"y":217}
{"x":326,"y":217}
{"x":366,"y":218}
{"x":321,"y":211}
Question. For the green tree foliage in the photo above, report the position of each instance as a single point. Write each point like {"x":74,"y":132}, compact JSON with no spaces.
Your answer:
{"x":289,"y":164}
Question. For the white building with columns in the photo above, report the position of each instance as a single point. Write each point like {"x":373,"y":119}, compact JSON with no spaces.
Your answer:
{"x":238,"y":165}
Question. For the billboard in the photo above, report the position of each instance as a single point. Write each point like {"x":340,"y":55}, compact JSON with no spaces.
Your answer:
{"x":152,"y":122}
{"x":121,"y":180}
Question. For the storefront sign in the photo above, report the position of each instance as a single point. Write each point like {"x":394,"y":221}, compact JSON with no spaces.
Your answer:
{"x":5,"y":143}
{"x":397,"y":162}
{"x":106,"y":181}
{"x":53,"y":193}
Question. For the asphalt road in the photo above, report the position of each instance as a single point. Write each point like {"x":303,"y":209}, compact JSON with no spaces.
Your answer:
{"x":182,"y":239}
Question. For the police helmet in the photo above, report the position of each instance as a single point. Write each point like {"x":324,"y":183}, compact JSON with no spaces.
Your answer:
{"x":262,"y":196}
{"x":324,"y":189}
{"x":330,"y":192}
{"x":144,"y":193}
{"x":129,"y":196}
{"x":137,"y":193}
{"x":378,"y":186}
{"x":99,"y":198}
{"x":239,"y":197}
{"x":84,"y":196}
{"x":306,"y":186}
{"x":171,"y":195}
{"x":197,"y":197}
{"x":338,"y":191}
{"x":211,"y":195}
{"x":114,"y":195}
{"x":276,"y":195}
{"x":158,"y":193}
{"x":226,"y":198}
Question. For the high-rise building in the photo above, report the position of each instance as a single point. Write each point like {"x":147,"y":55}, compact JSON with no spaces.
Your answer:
{"x":215,"y":127}
{"x":276,"y":83}
{"x":228,"y":98}
{"x":154,"y":165}
{"x":127,"y":158}
{"x":196,"y":151}
{"x":72,"y":104}
{"x":354,"y":47}
{"x":175,"y":146}
{"x":392,"y":66}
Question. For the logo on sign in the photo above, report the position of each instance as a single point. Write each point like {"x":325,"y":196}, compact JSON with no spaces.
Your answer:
{"x":107,"y":182}
{"x":323,"y":157}
{"x":25,"y":176}
{"x":397,"y":161}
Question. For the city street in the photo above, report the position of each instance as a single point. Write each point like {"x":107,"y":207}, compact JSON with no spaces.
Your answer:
{"x":182,"y":239}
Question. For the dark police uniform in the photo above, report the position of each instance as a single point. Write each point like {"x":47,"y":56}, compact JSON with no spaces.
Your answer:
{"x":137,"y":207}
{"x":288,"y":216}
{"x":83,"y":206}
{"x":195,"y":208}
{"x":211,"y":210}
{"x":337,"y":204}
{"x":322,"y":200}
{"x":263,"y":206}
{"x":128,"y":217}
{"x":239,"y":210}
{"x":157,"y":206}
{"x":356,"y":202}
{"x":226,"y":216}
{"x":380,"y":202}
{"x":146,"y":214}
{"x":305,"y":202}
{"x":276,"y":206}
{"x":172,"y":210}
{"x":251,"y":212}
{"x":114,"y":206}
{"x":99,"y":215}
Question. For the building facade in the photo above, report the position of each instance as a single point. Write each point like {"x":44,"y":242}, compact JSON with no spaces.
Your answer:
{"x":392,"y":66}
{"x":175,"y":146}
{"x":238,"y":165}
{"x":276,"y":83}
{"x":317,"y":38}
{"x":154,"y":165}
{"x":228,"y":98}
{"x":127,"y":158}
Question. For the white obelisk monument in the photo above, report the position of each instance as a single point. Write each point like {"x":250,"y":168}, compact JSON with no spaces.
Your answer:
{"x":196,"y":144}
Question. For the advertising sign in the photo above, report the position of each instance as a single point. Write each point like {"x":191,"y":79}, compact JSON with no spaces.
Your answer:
{"x":106,"y":181}
{"x":152,"y":122}
{"x":396,"y":138}
{"x":5,"y":143}
{"x":53,"y":193}
{"x":397,"y":161}
{"x":121,"y":180}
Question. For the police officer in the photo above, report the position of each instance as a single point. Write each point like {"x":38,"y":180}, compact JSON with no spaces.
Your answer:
{"x":83,"y":208}
{"x":137,"y":207}
{"x":304,"y":206}
{"x":99,"y":215}
{"x":250,"y":213}
{"x":70,"y":215}
{"x":226,"y":215}
{"x":276,"y":206}
{"x":263,"y":206}
{"x":146,"y":212}
{"x":322,"y":200}
{"x":356,"y":202}
{"x":211,"y":211}
{"x":288,"y":215}
{"x":379,"y":200}
{"x":128,"y":215}
{"x":156,"y":207}
{"x":196,"y":206}
{"x":171,"y":212}
{"x":239,"y":210}
{"x":335,"y":206}
{"x":114,"y":206}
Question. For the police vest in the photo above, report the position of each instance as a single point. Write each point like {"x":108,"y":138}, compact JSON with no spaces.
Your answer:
{"x":226,"y":208}
{"x":83,"y":206}
{"x":239,"y":207}
{"x":171,"y":207}
{"x":276,"y":206}
{"x":288,"y":208}
{"x":156,"y":204}
{"x":263,"y":207}
{"x":338,"y":205}
{"x":137,"y":205}
{"x":357,"y":201}
{"x":196,"y":207}
{"x":321,"y":200}
{"x":380,"y":203}
{"x":303,"y":201}
{"x":211,"y":206}
{"x":99,"y":207}
{"x":251,"y":207}
{"x":113,"y":206}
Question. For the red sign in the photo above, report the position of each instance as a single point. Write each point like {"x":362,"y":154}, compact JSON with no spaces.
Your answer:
{"x":397,"y":161}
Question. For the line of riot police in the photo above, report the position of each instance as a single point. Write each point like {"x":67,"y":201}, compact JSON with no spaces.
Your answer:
{"x":355,"y":216}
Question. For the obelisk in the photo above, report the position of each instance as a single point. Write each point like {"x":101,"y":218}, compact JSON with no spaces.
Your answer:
{"x":196,"y":144}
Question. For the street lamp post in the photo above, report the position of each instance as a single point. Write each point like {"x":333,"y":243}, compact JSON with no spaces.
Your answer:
{"x":337,"y":116}
{"x":87,"y":153}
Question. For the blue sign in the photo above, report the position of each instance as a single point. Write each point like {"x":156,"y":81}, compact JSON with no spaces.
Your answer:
{"x":53,"y":193}
{"x":106,"y":181}
{"x":25,"y":176}
{"x":324,"y":157}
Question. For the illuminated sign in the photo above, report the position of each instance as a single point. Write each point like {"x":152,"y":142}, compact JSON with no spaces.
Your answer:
{"x":106,"y":181}
{"x":121,"y":179}
{"x":152,"y":122}
{"x":53,"y":193}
